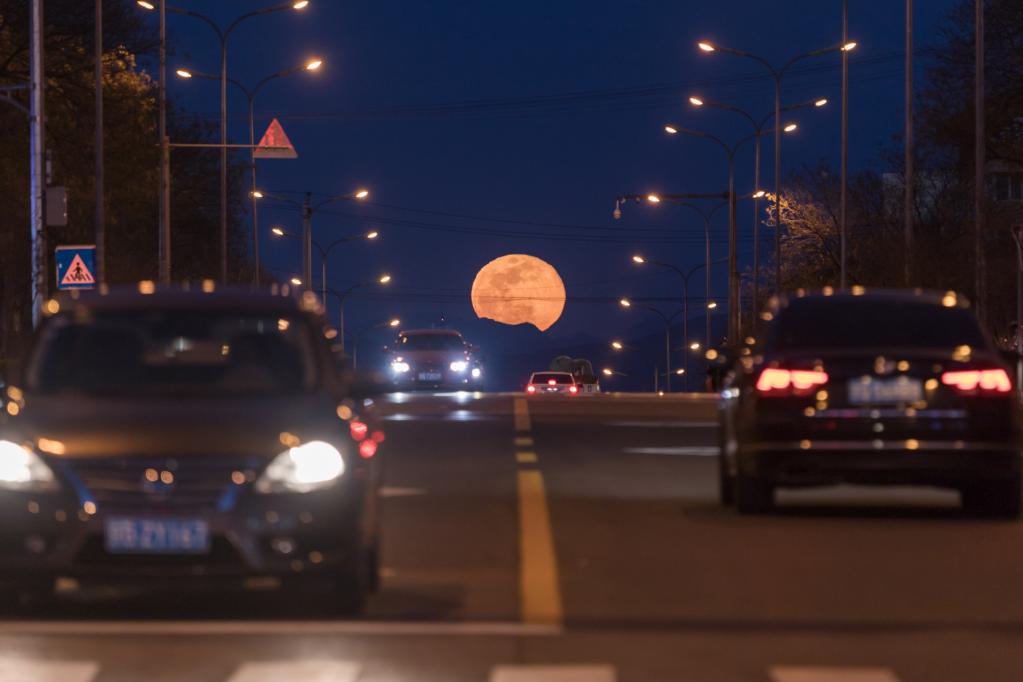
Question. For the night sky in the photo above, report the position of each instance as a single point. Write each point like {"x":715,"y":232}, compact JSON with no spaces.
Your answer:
{"x":486,"y":128}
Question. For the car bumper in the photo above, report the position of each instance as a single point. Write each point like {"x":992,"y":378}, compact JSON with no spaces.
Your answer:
{"x":878,"y":462}
{"x":52,"y":535}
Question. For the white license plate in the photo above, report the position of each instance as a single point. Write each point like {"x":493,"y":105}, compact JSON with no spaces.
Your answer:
{"x":870,"y":391}
{"x":430,"y":376}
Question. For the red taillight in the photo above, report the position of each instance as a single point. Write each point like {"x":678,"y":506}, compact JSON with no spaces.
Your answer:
{"x":552,"y":382}
{"x":531,"y":389}
{"x":986,"y":380}
{"x":358,"y":430}
{"x":777,"y":381}
{"x":367,"y":449}
{"x":573,"y":389}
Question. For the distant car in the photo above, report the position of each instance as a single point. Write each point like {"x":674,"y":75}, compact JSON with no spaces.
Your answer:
{"x":874,"y":388}
{"x":435,"y":358}
{"x":553,"y":382}
{"x":172,"y":438}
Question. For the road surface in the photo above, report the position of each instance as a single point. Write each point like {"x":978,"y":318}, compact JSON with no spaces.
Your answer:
{"x":579,"y":540}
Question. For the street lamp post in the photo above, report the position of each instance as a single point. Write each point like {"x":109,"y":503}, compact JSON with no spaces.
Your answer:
{"x":324,"y":252}
{"x":759,"y":131}
{"x":778,"y":74}
{"x":250,"y":95}
{"x":684,"y":276}
{"x":342,"y":295}
{"x":222,"y":35}
{"x":626,"y":303}
{"x":308,"y":208}
{"x":392,"y":323}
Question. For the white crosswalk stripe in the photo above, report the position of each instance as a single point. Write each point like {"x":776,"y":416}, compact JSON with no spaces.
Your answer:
{"x":825,"y":674}
{"x":553,"y":673}
{"x":27,"y":670}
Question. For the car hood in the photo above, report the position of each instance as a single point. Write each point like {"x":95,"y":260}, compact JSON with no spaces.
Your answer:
{"x":438,"y":357}
{"x":77,"y":427}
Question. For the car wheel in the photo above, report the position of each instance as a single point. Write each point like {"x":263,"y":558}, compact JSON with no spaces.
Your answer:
{"x":998,"y":499}
{"x":753,"y":495}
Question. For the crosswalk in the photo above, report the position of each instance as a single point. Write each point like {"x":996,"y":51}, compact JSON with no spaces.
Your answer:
{"x":17,"y":669}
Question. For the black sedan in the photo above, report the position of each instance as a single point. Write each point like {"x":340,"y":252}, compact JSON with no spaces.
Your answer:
{"x":872,"y":388}
{"x":182,"y":437}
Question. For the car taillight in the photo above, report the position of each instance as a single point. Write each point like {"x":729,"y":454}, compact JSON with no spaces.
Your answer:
{"x":531,"y":389}
{"x":777,"y":381}
{"x":552,"y":382}
{"x":985,"y":380}
{"x":573,"y":389}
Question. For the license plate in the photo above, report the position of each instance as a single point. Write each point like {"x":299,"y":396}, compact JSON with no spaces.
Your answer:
{"x":156,"y":536}
{"x":429,"y":376}
{"x":870,"y":391}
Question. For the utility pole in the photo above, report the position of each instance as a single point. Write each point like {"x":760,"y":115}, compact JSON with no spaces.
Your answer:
{"x":843,"y":207}
{"x":165,"y":228}
{"x":36,"y":183}
{"x":979,"y":163}
{"x":223,"y":161}
{"x":101,"y":262}
{"x":307,"y":244}
{"x":910,"y":175}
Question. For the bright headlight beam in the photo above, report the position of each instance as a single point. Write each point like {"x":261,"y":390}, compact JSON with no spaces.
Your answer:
{"x":459,"y":366}
{"x":22,"y":469}
{"x":304,"y":468}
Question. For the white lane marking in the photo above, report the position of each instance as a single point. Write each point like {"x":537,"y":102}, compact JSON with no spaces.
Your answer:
{"x":524,"y":441}
{"x":553,"y":673}
{"x":27,"y":670}
{"x":665,"y":424}
{"x":396,"y":491}
{"x":679,"y":451}
{"x":307,"y":671}
{"x":270,"y":627}
{"x":821,"y":674}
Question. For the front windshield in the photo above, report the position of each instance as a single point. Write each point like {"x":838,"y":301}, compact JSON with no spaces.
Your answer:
{"x":432,"y":342}
{"x":179,"y":353}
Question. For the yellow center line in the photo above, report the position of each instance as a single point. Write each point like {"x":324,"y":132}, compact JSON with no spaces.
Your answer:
{"x":539,"y":584}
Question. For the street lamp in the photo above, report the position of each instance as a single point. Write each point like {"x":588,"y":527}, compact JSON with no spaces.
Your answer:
{"x":325,"y":251}
{"x":778,"y":74}
{"x":382,"y":280}
{"x":626,"y":303}
{"x":759,"y":130}
{"x":684,"y":276}
{"x":310,"y":65}
{"x":222,"y":35}
{"x":307,"y":208}
{"x":393,"y":323}
{"x":296,"y":281}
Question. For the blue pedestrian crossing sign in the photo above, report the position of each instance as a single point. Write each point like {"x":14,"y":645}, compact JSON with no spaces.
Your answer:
{"x":75,"y":267}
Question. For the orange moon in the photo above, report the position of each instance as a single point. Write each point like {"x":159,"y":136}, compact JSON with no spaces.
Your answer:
{"x":517,"y":289}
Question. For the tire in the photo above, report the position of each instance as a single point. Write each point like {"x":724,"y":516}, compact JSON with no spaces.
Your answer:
{"x":997,"y":499}
{"x":753,"y":495}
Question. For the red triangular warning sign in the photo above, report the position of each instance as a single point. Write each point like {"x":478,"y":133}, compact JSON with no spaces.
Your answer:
{"x":77,"y":273}
{"x":275,"y":144}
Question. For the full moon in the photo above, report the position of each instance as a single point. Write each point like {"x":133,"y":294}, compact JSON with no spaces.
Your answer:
{"x":516,"y":289}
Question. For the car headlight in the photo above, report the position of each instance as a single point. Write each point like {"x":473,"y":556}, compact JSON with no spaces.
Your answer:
{"x":22,"y":469}
{"x":400,"y":367}
{"x":302,"y":469}
{"x":477,"y":372}
{"x":459,"y":366}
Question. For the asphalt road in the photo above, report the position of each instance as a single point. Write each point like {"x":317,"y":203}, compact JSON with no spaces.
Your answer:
{"x":579,"y":540}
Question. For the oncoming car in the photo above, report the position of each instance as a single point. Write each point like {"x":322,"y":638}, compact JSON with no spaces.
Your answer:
{"x":182,"y":437}
{"x":876,"y":388}
{"x":434,"y":358}
{"x":552,"y":382}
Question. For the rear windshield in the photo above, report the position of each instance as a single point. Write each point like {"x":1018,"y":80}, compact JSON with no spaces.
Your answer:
{"x":833,"y":323}
{"x":545,"y":378}
{"x":174,"y":353}
{"x":432,"y":342}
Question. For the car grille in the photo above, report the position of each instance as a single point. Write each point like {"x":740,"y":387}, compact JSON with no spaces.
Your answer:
{"x":198,"y":485}
{"x":222,"y":553}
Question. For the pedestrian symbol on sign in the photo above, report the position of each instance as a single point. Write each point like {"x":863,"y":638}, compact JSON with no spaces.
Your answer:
{"x":76,"y":267}
{"x":77,"y":273}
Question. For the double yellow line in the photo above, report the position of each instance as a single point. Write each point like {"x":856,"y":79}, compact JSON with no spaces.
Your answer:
{"x":539,"y":584}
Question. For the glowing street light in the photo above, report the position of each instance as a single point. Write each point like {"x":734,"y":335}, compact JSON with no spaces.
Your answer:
{"x":372,"y":235}
{"x":617,"y":345}
{"x":183,"y":73}
{"x":256,"y":194}
{"x":384,"y":279}
{"x":671,"y":130}
{"x":608,"y":372}
{"x":823,"y":101}
{"x":680,"y":371}
{"x":849,"y":47}
{"x":296,"y":281}
{"x":146,"y":5}
{"x":638,"y":259}
{"x":696,"y":101}
{"x":394,"y":323}
{"x":695,"y":346}
{"x":759,"y":194}
{"x":625,"y":303}
{"x":313,"y":64}
{"x":791,"y":127}
{"x":653,"y":198}
{"x":362,"y":194}
{"x":712,"y":305}
{"x":278,"y":231}
{"x":705,"y":46}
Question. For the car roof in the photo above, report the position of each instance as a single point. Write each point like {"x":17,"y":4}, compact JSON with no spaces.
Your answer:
{"x":547,"y":371}
{"x":418,"y":332}
{"x":859,"y":293}
{"x":204,"y":297}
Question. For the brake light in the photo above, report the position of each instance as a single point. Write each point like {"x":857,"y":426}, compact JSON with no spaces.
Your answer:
{"x":987,"y":380}
{"x":775,"y":380}
{"x":552,"y":382}
{"x":358,"y":430}
{"x":531,"y":389}
{"x":573,"y":389}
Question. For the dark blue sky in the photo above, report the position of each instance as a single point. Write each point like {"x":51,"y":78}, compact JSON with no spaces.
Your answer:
{"x":568,"y":100}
